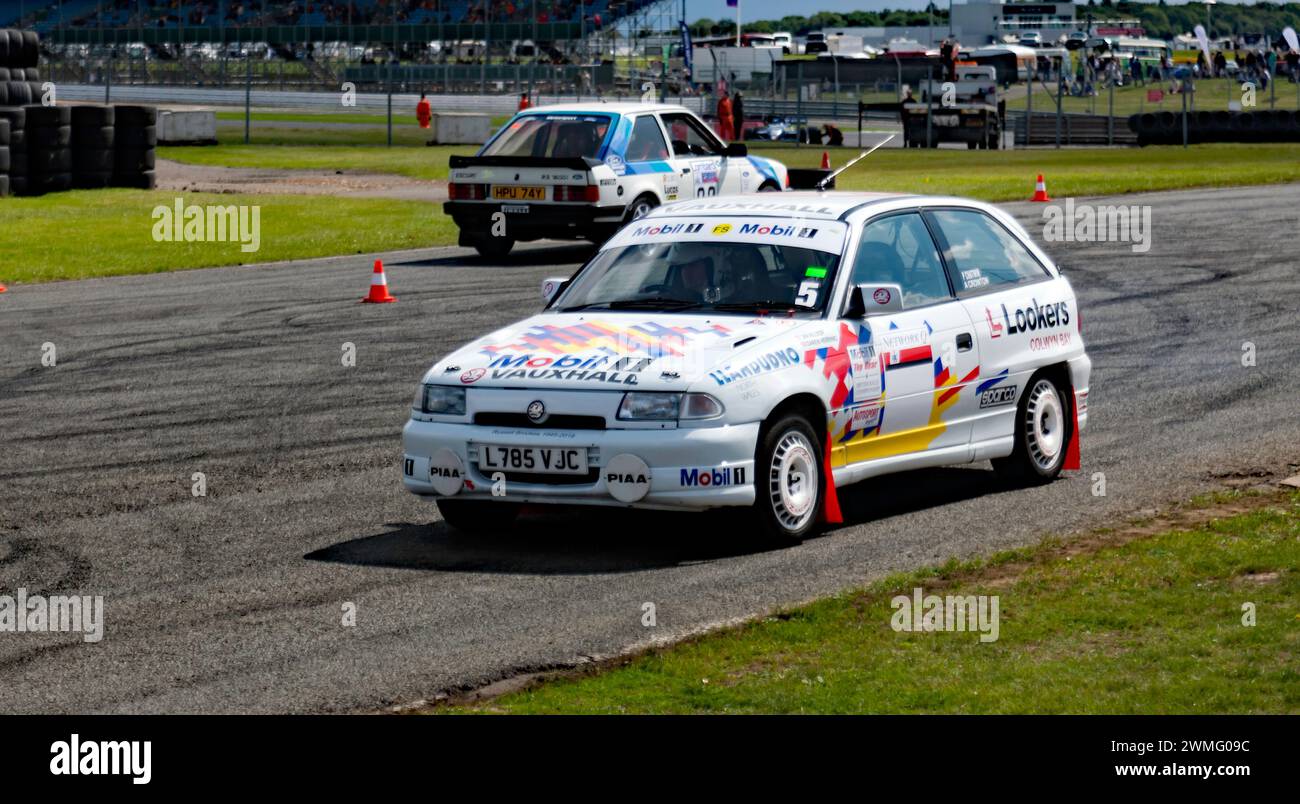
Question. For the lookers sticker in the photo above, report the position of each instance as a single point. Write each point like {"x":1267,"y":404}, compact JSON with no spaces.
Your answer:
{"x":1035,"y":317}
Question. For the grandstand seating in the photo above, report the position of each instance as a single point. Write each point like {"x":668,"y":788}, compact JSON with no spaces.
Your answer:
{"x":166,"y":14}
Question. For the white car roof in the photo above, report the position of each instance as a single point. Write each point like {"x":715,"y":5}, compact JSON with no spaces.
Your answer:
{"x":830,"y":205}
{"x":606,"y":108}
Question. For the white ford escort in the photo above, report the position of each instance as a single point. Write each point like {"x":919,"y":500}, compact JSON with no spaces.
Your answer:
{"x":582,"y":171}
{"x":759,"y":352}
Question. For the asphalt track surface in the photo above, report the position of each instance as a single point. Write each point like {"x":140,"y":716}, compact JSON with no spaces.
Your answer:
{"x":233,"y":602}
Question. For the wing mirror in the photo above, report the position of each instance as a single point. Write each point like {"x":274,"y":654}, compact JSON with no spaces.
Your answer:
{"x":874,"y":299}
{"x":551,"y":287}
{"x":737,"y":149}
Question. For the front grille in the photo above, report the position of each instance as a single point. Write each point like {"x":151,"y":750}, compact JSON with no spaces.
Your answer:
{"x":560,"y":421}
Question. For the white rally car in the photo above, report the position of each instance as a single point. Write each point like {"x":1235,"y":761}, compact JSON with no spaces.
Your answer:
{"x":744,"y":352}
{"x":582,"y":171}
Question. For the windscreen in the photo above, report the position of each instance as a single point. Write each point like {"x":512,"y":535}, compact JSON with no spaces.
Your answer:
{"x":551,"y":136}
{"x":692,"y":264}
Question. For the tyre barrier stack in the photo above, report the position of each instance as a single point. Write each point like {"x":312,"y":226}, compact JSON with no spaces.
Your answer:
{"x":20,"y":80}
{"x":92,"y":146}
{"x":1166,"y":128}
{"x":4,"y":158}
{"x":49,"y":149}
{"x":135,"y":147}
{"x":16,"y":120}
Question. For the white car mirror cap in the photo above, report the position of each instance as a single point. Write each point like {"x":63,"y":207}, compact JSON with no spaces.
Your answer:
{"x":881,"y":299}
{"x":551,"y":287}
{"x":446,"y":472}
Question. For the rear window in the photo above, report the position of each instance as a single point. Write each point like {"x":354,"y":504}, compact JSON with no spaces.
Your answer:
{"x":551,"y":136}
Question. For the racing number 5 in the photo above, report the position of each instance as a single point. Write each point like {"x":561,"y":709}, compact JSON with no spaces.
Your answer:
{"x":808,"y":293}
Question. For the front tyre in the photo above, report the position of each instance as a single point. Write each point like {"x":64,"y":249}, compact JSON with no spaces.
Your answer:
{"x":1043,"y":431}
{"x":788,"y":480}
{"x":478,"y":516}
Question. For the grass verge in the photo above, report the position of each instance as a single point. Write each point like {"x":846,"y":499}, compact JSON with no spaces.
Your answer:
{"x":989,"y":176}
{"x":1009,"y":175}
{"x":88,"y":233}
{"x":1147,"y":618}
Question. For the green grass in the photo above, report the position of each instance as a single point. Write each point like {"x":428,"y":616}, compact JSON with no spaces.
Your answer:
{"x":1151,"y":625}
{"x":345,"y":116}
{"x":273,"y":150}
{"x":89,"y":233}
{"x":404,"y":117}
{"x":1001,"y":176}
{"x":1009,"y":175}
{"x":1210,"y":95}
{"x":112,"y":228}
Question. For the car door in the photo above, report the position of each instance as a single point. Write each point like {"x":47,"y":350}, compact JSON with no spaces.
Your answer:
{"x":926,"y":353}
{"x":1022,"y":314}
{"x":647,"y":155}
{"x":703,"y":155}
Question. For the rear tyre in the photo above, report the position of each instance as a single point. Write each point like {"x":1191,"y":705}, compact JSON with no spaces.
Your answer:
{"x":769,"y":187}
{"x":788,"y":480}
{"x":641,"y":207}
{"x":494,"y":248}
{"x":478,"y":516}
{"x":1044,"y":427}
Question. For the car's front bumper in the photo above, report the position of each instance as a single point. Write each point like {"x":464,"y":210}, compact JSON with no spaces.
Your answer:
{"x":676,"y":458}
{"x":542,"y":220}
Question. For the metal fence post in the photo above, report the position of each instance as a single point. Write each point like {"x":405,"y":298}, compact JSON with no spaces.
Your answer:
{"x":798,"y":101}
{"x":1186,"y":83}
{"x":1110,"y":118}
{"x":1060,"y":89}
{"x":248,"y":93}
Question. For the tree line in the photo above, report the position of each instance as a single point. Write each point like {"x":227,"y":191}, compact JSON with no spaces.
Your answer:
{"x":1159,"y":19}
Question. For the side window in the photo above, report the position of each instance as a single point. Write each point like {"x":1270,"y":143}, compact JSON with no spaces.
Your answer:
{"x":693,"y":137}
{"x":983,"y":255}
{"x":647,"y":141}
{"x":898,"y":249}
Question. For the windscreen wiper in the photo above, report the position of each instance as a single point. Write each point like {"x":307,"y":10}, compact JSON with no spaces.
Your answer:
{"x":651,"y":301}
{"x":762,"y":304}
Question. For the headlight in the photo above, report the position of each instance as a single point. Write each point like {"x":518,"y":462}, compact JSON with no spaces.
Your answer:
{"x":647,"y":405}
{"x":441,"y":399}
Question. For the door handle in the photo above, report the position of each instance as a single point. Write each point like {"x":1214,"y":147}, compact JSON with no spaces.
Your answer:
{"x":685,"y":171}
{"x":964,"y":342}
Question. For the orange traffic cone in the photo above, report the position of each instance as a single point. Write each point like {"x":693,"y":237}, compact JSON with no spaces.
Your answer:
{"x":826,"y":160}
{"x":379,"y":286}
{"x":1040,"y":190}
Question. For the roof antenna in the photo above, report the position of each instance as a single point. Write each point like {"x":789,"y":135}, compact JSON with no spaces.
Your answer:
{"x":821,"y":185}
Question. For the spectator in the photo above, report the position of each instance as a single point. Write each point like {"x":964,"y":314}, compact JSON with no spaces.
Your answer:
{"x":738,"y":115}
{"x":523,"y":101}
{"x":725,"y":130}
{"x":423,"y":111}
